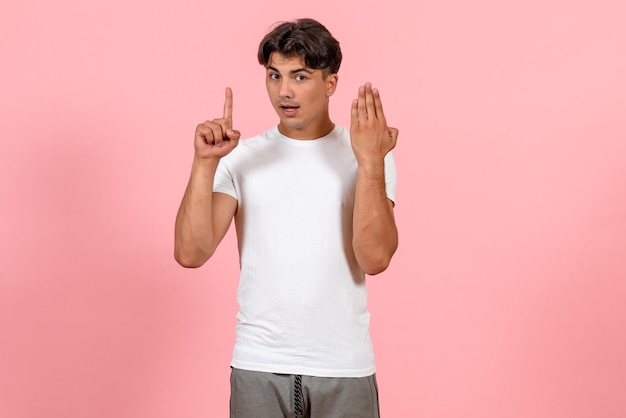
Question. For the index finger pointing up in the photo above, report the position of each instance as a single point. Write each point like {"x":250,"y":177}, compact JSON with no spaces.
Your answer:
{"x":228,"y":104}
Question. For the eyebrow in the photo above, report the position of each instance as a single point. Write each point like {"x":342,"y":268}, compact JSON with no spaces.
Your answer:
{"x":297,"y":70}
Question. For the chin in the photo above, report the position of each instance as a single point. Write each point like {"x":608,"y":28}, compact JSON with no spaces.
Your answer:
{"x":292,"y":124}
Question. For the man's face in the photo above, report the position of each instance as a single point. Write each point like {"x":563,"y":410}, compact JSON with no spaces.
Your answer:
{"x":299,"y":96}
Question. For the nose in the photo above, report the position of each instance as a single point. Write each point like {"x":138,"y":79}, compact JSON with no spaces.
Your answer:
{"x":285,"y":91}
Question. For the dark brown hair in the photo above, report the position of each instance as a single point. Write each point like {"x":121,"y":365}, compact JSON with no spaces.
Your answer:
{"x":306,"y":38}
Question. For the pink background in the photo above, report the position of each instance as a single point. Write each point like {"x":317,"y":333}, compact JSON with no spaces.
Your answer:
{"x":507,"y":296}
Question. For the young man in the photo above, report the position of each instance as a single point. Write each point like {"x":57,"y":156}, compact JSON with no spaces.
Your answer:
{"x":313,"y":209}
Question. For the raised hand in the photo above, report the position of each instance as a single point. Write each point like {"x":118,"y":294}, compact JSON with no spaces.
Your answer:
{"x":371,"y":138}
{"x":216,"y":138}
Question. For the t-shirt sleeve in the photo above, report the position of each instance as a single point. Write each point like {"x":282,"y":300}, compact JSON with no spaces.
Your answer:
{"x":391,"y":177}
{"x":224,"y":180}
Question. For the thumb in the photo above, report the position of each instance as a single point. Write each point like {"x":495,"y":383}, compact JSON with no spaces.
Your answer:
{"x":233,"y":135}
{"x":393,"y":133}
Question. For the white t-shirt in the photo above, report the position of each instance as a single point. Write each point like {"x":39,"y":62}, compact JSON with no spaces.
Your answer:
{"x":302,"y":297}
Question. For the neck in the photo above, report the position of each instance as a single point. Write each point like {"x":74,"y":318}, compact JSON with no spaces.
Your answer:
{"x":307,"y":133}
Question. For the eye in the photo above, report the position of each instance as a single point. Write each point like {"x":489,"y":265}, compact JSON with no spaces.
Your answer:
{"x":300,"y":77}
{"x":273,"y":76}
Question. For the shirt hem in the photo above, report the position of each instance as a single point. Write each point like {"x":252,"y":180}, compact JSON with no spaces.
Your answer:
{"x":306,"y":371}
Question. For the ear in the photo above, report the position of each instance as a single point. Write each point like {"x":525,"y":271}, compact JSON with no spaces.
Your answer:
{"x":331,"y":84}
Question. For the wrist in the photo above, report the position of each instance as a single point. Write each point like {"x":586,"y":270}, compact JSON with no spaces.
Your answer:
{"x":204,"y":166}
{"x":372,"y":167}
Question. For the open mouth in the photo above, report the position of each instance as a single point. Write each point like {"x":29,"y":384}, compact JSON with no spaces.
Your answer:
{"x":289,"y":110}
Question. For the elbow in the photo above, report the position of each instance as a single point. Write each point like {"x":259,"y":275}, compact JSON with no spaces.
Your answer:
{"x":373,"y":264}
{"x":373,"y":261}
{"x":374,"y":267}
{"x":190,"y":260}
{"x":189,"y":264}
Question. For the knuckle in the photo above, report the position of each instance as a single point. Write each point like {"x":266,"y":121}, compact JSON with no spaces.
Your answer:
{"x":218,"y":132}
{"x":206,"y":126}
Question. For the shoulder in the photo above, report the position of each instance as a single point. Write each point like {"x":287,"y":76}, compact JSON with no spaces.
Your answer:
{"x":341,"y":132}
{"x":256,"y":148}
{"x":260,"y":139}
{"x":252,"y":144}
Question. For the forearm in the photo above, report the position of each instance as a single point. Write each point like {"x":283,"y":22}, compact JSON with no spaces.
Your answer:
{"x":375,"y":236}
{"x":194,"y":233}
